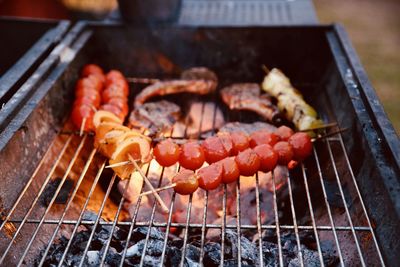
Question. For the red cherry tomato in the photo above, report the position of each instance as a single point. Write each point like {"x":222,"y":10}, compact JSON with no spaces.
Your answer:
{"x":284,"y":151}
{"x":113,"y":109}
{"x":284,"y":132}
{"x":268,"y":157}
{"x":121,"y":103}
{"x":191,"y":156}
{"x":81,"y":112}
{"x":186,"y":182}
{"x":87,"y":100}
{"x":230,"y":171}
{"x":91,"y":81}
{"x":91,"y":69}
{"x":248,"y":162}
{"x":302,"y":145}
{"x":214,"y":149}
{"x":121,"y":84}
{"x":113,"y":75}
{"x":210,"y":177}
{"x":166,"y":153}
{"x":240,"y":142}
{"x":263,"y":137}
{"x":89,"y":93}
{"x":112,"y":92}
{"x":226,"y":141}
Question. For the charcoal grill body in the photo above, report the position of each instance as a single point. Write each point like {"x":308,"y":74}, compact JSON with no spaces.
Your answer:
{"x":319,"y":60}
{"x":25,"y":43}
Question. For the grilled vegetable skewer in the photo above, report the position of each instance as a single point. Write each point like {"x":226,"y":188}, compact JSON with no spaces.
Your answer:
{"x":290,"y":101}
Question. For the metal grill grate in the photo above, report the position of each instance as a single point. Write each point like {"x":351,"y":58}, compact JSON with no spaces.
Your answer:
{"x":246,"y":12}
{"x":333,"y":146}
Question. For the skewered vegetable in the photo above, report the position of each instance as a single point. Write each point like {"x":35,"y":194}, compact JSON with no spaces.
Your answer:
{"x":290,"y":101}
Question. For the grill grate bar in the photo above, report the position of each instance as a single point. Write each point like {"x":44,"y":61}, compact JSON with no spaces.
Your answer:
{"x":238,"y":222}
{"x":328,"y":208}
{"x":203,"y":228}
{"x":27,"y":185}
{"x":189,"y":209}
{"x":296,"y":230}
{"x":361,"y":200}
{"x":153,"y":211}
{"x":133,"y":222}
{"x":121,"y":202}
{"x":67,"y":171}
{"x":103,"y":203}
{"x":36,"y":198}
{"x":78,"y":222}
{"x":208,"y":225}
{"x":86,"y":167}
{"x":171,"y":208}
{"x":345,"y":203}
{"x":278,"y":231}
{"x":260,"y":252}
{"x":321,"y":259}
{"x":223,"y":226}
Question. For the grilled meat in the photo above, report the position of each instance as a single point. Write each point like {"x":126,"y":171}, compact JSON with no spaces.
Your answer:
{"x":199,"y":73}
{"x":246,"y":96}
{"x":246,"y":128}
{"x":155,"y":116}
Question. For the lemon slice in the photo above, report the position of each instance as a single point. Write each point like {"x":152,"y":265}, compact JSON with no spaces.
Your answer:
{"x":110,"y":142}
{"x":104,"y":128}
{"x":137,"y":147}
{"x":105,"y":116}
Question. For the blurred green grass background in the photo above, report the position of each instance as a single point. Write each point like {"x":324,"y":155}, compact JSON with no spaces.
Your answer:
{"x":374,"y":29}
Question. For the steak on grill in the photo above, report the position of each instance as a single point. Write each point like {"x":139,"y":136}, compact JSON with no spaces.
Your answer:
{"x":246,"y":96}
{"x":157,"y":116}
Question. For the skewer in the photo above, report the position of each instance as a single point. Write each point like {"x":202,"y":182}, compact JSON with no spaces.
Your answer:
{"x":328,"y":125}
{"x":265,"y":69}
{"x":82,"y":126}
{"x":156,"y":195}
{"x":158,"y":189}
{"x":329,"y":134}
{"x":119,"y":164}
{"x":141,"y":80}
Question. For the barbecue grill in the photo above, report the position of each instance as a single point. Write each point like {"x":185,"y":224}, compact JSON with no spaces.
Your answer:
{"x":346,"y":196}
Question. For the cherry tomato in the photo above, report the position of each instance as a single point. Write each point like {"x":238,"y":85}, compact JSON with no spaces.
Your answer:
{"x":81,"y":112}
{"x":301,"y":144}
{"x":226,"y":141}
{"x":121,"y":103}
{"x":210,"y":177}
{"x":91,"y":69}
{"x":284,"y":132}
{"x":91,"y":81}
{"x":284,"y":151}
{"x":113,"y":109}
{"x":240,"y":142}
{"x":87,"y":100}
{"x":112,"y":92}
{"x":91,"y":94}
{"x":230,"y":171}
{"x":191,"y":156}
{"x":214,"y":149}
{"x":248,"y":162}
{"x":121,"y":84}
{"x":263,"y":137}
{"x":114,"y":75}
{"x":186,"y":182}
{"x":268,"y":157}
{"x":166,"y":153}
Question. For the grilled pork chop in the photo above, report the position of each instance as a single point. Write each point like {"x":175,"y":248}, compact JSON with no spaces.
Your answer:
{"x":197,"y":80}
{"x":157,"y":116}
{"x":246,"y":96}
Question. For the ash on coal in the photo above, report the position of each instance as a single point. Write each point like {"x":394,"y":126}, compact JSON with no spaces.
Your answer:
{"x":212,"y":249}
